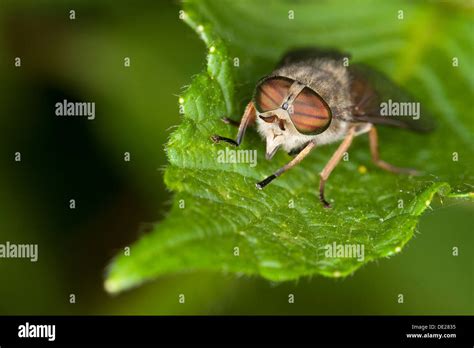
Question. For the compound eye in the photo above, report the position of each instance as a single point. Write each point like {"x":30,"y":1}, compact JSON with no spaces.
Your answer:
{"x":271,"y":92}
{"x":309,"y":113}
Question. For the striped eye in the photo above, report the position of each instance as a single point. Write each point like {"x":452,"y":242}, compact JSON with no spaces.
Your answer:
{"x":310,"y":114}
{"x":270,"y":93}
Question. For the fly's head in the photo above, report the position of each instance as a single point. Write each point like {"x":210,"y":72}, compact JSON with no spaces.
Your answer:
{"x":288,"y":113}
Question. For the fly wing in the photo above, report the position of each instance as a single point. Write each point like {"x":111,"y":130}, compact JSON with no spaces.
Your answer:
{"x":370,"y":89}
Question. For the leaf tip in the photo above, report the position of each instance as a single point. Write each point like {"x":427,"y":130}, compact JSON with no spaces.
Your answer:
{"x":112,"y":286}
{"x":118,"y":282}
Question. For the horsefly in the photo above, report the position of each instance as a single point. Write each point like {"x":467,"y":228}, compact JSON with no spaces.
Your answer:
{"x":313,"y":98}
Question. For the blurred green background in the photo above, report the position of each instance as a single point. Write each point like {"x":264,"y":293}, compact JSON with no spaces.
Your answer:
{"x":136,"y":108}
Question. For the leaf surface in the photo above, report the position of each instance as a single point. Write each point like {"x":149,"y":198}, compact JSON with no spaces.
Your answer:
{"x":281,"y":232}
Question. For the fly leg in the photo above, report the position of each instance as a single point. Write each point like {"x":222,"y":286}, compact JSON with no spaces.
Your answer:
{"x":303,"y":153}
{"x":336,"y":157}
{"x":374,"y":150}
{"x":247,"y":119}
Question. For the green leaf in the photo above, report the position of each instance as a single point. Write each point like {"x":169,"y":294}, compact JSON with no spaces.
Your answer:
{"x":281,"y":232}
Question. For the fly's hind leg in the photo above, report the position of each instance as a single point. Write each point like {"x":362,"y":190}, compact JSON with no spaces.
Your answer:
{"x":247,"y":119}
{"x":374,"y":150}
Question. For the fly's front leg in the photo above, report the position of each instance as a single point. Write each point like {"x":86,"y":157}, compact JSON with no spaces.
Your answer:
{"x":336,"y":157}
{"x":374,"y":150}
{"x":247,"y":119}
{"x":303,"y":153}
